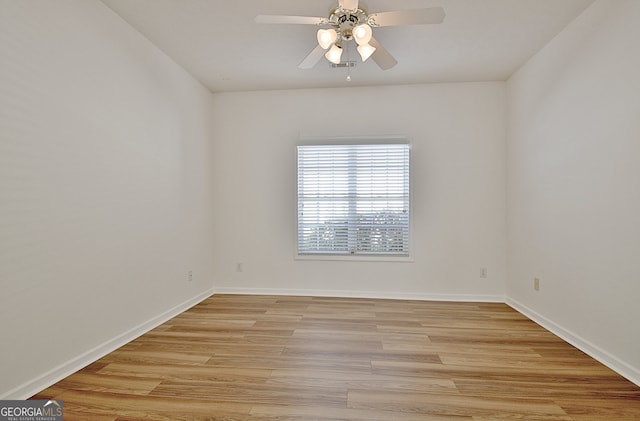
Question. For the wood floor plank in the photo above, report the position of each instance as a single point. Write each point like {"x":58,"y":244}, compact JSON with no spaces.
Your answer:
{"x":124,"y":384}
{"x":235,"y":357}
{"x":350,"y":380}
{"x":204,"y":372}
{"x":85,"y":405}
{"x":253,"y":394}
{"x":319,"y":413}
{"x":547,"y":389}
{"x":599,"y":408}
{"x":281,"y":362}
{"x":451,"y":404}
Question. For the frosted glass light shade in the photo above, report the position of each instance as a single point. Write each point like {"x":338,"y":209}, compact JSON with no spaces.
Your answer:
{"x":326,"y":37}
{"x":362,"y":34}
{"x":334,"y":54}
{"x":366,"y":51}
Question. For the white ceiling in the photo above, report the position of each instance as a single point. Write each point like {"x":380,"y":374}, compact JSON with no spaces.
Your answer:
{"x":219,"y":43}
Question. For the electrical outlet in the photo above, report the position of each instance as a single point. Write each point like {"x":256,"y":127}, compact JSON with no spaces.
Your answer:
{"x":536,"y":284}
{"x":190,"y":276}
{"x":483,"y":272}
{"x":239,"y":267}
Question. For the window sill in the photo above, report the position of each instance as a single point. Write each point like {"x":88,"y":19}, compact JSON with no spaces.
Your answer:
{"x":354,"y":258}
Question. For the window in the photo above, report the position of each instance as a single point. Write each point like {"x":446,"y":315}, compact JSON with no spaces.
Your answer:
{"x":353,"y":199}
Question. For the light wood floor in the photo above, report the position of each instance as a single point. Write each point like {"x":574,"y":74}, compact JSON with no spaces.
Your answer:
{"x":302,"y":358}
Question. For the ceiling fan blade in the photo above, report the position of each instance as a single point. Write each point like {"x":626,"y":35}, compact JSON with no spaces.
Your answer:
{"x":348,"y":4}
{"x":313,"y":58}
{"x":295,"y":20}
{"x":381,"y":56}
{"x":408,"y":17}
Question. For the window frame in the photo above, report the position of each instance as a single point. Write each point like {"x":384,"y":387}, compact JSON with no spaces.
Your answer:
{"x":360,"y":140}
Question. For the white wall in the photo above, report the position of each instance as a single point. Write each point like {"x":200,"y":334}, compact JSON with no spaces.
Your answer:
{"x":105,"y":195}
{"x":574,"y":184}
{"x":457,"y":134}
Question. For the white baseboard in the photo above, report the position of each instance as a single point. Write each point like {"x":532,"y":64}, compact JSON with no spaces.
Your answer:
{"x":625,"y":370}
{"x":363,"y":294}
{"x":40,"y":383}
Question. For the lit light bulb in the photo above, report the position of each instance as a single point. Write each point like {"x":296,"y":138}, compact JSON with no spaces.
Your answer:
{"x":362,"y":34}
{"x":366,"y":50}
{"x":326,"y":37}
{"x":334,"y":54}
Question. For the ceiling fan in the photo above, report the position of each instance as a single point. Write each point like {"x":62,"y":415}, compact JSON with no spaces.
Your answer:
{"x":351,"y":21}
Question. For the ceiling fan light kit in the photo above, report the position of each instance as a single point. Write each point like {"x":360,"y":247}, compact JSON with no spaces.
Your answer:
{"x":350,"y":21}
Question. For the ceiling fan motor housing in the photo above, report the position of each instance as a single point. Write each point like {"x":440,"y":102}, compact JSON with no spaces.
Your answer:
{"x":345,"y":20}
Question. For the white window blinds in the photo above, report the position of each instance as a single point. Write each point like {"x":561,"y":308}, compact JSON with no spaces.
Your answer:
{"x":353,"y":199}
